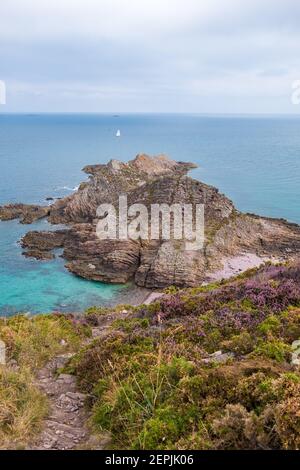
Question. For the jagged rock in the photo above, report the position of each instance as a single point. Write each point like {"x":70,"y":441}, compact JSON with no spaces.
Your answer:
{"x":108,"y":181}
{"x":25,"y":212}
{"x":40,"y":255}
{"x":112,"y":261}
{"x":44,"y":240}
{"x":40,"y":244}
{"x":229,"y":234}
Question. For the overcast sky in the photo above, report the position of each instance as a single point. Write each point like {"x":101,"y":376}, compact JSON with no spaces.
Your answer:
{"x":200,"y":56}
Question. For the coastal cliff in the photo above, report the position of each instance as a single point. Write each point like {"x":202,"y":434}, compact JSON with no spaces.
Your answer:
{"x":230,"y":235}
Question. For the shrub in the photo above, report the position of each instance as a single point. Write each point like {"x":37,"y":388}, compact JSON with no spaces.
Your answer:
{"x":270,"y":325}
{"x":151,"y":387}
{"x":241,"y":344}
{"x":275,"y":349}
{"x":33,"y":341}
{"x":236,"y":429}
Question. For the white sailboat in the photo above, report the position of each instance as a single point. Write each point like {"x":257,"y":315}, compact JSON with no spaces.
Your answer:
{"x":118,"y":134}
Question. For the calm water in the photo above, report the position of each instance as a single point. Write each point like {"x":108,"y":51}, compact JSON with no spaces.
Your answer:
{"x":254,"y":160}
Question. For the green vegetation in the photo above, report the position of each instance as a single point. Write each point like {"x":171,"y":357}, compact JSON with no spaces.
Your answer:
{"x":153,"y":384}
{"x":30,"y":343}
{"x":202,"y":368}
{"x":22,"y":408}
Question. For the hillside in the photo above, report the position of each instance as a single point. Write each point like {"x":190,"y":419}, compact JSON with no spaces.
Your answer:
{"x":202,"y":368}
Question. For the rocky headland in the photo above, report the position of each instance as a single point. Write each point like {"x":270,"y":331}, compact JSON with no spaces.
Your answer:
{"x":230,"y":235}
{"x":199,"y":366}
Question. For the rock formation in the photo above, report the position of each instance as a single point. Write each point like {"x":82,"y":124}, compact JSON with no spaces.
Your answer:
{"x":39,"y":245}
{"x":152,"y":263}
{"x":25,"y":212}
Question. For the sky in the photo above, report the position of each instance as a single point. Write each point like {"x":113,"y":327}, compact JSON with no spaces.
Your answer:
{"x":182,"y":56}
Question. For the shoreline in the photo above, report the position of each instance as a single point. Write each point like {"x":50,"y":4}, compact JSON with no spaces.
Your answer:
{"x":137,"y":296}
{"x":239,"y":264}
{"x":234,"y":241}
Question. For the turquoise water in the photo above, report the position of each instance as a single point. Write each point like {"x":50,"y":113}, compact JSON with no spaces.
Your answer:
{"x":254,"y":160}
{"x":27,"y":285}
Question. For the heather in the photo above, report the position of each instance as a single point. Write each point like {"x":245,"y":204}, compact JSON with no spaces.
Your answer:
{"x":201,"y":368}
{"x":204,"y":368}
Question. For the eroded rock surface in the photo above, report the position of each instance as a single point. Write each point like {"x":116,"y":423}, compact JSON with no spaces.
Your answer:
{"x":156,"y":263}
{"x":25,"y":212}
{"x":40,"y":244}
{"x":66,"y":425}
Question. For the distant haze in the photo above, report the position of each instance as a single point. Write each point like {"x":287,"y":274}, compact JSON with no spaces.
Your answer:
{"x":199,"y":56}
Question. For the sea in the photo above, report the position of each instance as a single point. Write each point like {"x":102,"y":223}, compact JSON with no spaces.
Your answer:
{"x":254,"y":160}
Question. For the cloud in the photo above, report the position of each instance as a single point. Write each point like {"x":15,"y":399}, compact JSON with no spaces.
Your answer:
{"x":113,"y":19}
{"x":158,"y":55}
{"x":116,"y":19}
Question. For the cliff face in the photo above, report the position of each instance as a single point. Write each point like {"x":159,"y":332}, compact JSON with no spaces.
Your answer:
{"x":155,"y":263}
{"x":108,"y":181}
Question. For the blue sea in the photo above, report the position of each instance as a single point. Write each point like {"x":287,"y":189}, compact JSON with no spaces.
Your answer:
{"x":253,"y":160}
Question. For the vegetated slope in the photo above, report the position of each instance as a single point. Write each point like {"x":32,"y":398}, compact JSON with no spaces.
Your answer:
{"x":157,"y":381}
{"x":202,"y":368}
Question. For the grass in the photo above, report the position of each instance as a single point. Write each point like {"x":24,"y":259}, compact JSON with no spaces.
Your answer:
{"x":150,"y":380}
{"x":30,"y":343}
{"x":22,"y":408}
{"x":150,"y":388}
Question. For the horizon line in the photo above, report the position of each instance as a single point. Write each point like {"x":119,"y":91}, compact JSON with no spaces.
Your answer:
{"x":122,"y":113}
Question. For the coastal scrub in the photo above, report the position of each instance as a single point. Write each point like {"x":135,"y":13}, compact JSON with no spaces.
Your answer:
{"x":201,"y":368}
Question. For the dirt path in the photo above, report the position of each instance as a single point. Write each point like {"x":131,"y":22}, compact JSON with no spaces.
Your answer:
{"x":65,"y":427}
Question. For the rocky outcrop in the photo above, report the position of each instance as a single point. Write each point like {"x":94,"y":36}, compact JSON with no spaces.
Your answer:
{"x":111,"y":261}
{"x":40,"y":255}
{"x":40,"y":244}
{"x":25,"y":212}
{"x":44,"y":240}
{"x":107,"y":182}
{"x":156,"y":263}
